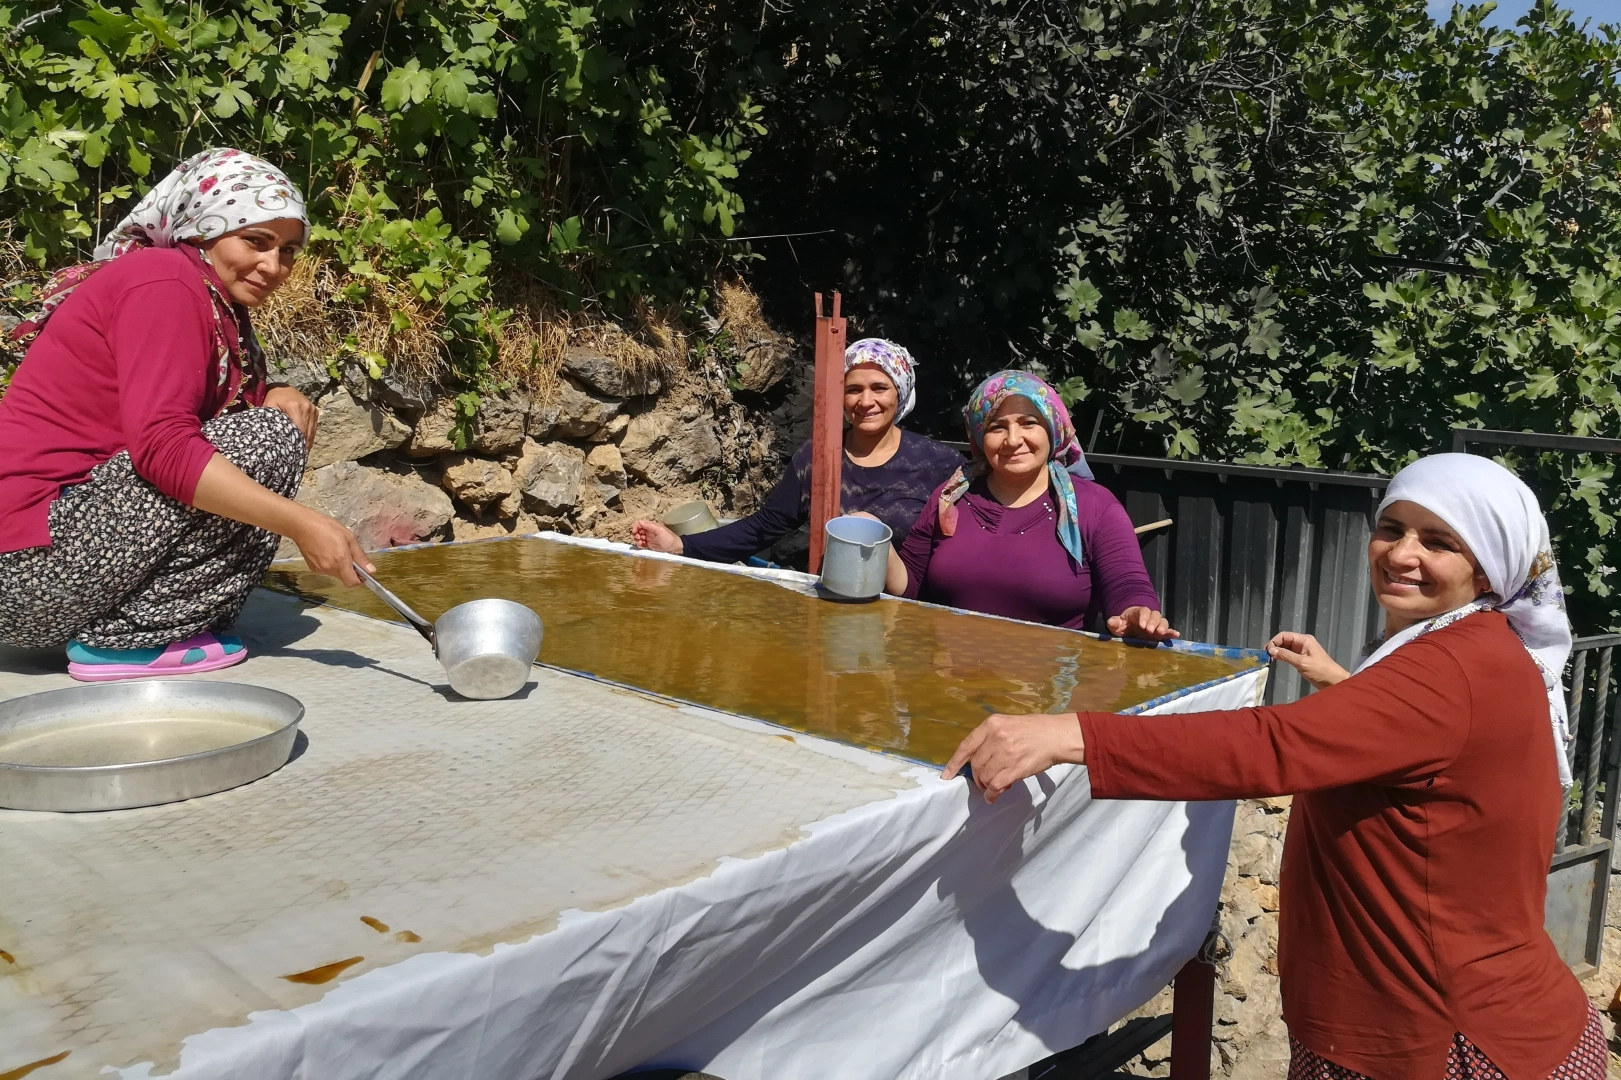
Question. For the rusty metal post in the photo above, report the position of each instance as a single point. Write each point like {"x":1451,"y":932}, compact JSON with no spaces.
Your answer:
{"x":1193,"y":1011}
{"x":827,"y":427}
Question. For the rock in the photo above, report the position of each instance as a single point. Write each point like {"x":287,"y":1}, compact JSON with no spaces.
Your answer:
{"x":432,"y":434}
{"x":765,"y":363}
{"x":485,"y":527}
{"x":571,"y":412}
{"x":607,"y":376}
{"x":1257,"y":842}
{"x":605,"y":472}
{"x":355,"y":378}
{"x":589,"y":517}
{"x":392,"y":389}
{"x":351,"y":429}
{"x":306,"y":376}
{"x":476,"y":482}
{"x":613,"y":430}
{"x":384,"y":507}
{"x":499,"y":426}
{"x":549,"y":476}
{"x":663,"y":451}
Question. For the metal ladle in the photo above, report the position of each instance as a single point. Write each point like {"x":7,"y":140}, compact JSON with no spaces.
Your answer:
{"x":486,"y":646}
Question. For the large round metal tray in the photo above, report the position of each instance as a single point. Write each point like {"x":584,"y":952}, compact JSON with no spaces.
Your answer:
{"x":119,"y":745}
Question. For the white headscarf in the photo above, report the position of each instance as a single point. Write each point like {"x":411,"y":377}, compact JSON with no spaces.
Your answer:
{"x":1493,"y":512}
{"x":207,"y":195}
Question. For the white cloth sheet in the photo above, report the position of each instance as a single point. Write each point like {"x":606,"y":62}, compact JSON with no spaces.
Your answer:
{"x":899,"y":928}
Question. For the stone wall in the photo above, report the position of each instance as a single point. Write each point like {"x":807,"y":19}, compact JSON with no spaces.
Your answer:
{"x":601,"y":444}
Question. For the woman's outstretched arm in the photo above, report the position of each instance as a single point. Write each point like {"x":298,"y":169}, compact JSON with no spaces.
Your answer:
{"x":1402,"y":720}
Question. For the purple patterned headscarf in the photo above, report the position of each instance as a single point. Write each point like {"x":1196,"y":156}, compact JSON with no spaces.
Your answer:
{"x":894,"y":361}
{"x":1064,"y":454}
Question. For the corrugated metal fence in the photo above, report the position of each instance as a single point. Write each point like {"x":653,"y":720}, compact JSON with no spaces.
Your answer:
{"x":1252,"y":550}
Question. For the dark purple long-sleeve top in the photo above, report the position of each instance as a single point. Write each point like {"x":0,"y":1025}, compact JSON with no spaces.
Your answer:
{"x":893,"y":492}
{"x":1008,"y":561}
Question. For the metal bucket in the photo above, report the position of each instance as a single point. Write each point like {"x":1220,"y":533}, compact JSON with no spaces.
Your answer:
{"x":857,"y":557}
{"x":691,"y":517}
{"x":487,"y":647}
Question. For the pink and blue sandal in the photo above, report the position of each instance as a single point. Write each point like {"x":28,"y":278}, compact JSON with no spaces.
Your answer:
{"x":205,"y":652}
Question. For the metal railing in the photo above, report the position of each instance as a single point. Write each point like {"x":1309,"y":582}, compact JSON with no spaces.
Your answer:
{"x":1584,"y":845}
{"x":1254,"y":549}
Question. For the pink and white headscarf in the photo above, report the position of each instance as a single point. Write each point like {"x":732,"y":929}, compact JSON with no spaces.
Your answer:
{"x":206,"y":196}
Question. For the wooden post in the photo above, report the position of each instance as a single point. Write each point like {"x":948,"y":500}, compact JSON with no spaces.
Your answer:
{"x":1193,"y":1011}
{"x":827,"y":427}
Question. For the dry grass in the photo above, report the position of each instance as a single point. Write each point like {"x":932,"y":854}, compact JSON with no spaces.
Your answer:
{"x":533,"y":340}
{"x":739,"y":311}
{"x":310,"y":319}
{"x":307,"y":319}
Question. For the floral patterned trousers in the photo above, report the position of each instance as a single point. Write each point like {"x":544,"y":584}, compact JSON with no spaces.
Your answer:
{"x":1588,"y":1061}
{"x":130,"y":568}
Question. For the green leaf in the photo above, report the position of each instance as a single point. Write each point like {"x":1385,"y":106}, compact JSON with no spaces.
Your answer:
{"x":41,"y":165}
{"x":1188,"y":387}
{"x":406,"y":85}
{"x":510,"y":227}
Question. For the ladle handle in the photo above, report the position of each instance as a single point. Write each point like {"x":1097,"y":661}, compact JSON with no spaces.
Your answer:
{"x":422,"y":626}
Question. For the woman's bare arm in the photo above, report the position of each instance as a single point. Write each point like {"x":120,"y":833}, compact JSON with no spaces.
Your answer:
{"x":327,"y":545}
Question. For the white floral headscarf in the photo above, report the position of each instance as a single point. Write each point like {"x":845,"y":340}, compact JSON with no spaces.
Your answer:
{"x":1493,"y":512}
{"x":206,"y":196}
{"x":892,"y":360}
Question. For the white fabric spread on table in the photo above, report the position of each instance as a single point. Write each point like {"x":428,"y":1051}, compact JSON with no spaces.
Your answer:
{"x":660,"y":885}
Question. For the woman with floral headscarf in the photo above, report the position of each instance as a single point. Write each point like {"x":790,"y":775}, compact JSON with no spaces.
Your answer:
{"x":1022,"y":530}
{"x":149,"y":467}
{"x":887,"y":474}
{"x":1428,"y":787}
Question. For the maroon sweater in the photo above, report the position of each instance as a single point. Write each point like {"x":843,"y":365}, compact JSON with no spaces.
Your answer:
{"x":126,"y":363}
{"x":1416,"y":865}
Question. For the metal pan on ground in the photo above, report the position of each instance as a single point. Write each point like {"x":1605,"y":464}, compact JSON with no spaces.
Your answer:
{"x":119,"y":745}
{"x":487,"y":647}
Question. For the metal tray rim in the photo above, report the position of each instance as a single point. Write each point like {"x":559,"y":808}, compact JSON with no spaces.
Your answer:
{"x":298,"y":718}
{"x":70,"y":788}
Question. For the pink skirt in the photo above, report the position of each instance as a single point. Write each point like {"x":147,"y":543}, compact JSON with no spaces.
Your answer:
{"x":1588,"y":1061}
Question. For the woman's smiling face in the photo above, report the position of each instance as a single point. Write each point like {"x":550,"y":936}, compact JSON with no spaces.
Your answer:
{"x":871,"y":400}
{"x":255,"y":261}
{"x":1016,"y":440}
{"x":1419,"y":566}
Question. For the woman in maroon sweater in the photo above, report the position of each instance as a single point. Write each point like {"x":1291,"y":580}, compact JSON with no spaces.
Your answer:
{"x":148,"y":468}
{"x":1411,"y":943}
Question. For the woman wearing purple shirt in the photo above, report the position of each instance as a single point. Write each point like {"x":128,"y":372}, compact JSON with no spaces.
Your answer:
{"x":1023,"y":531}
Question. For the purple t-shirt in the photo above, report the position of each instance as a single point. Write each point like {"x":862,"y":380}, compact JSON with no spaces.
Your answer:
{"x":1008,"y":561}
